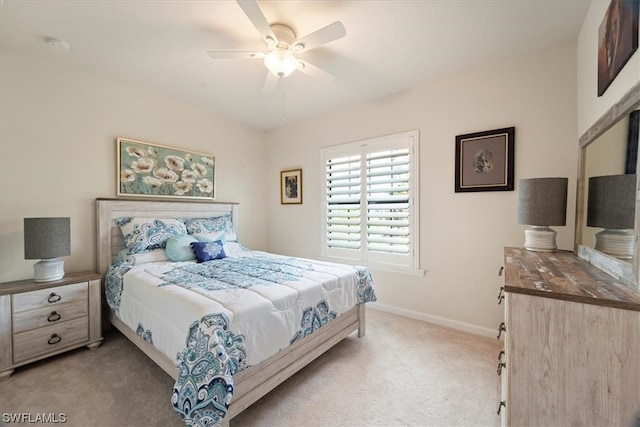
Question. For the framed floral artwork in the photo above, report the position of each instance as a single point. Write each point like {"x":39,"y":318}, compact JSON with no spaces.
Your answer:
{"x":153,"y":170}
{"x":291,"y":187}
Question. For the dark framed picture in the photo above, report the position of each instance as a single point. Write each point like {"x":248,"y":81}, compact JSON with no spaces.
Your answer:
{"x":484,"y":160}
{"x":617,"y":40}
{"x":291,"y":187}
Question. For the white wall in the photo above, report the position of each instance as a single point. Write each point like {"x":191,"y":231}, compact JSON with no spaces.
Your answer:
{"x":590,"y":106}
{"x":462,"y":234}
{"x":58,"y":130}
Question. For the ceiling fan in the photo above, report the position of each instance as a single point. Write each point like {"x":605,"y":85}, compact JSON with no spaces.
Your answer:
{"x":282,"y":45}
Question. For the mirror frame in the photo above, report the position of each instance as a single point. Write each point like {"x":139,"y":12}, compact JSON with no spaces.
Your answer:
{"x":626,"y":272}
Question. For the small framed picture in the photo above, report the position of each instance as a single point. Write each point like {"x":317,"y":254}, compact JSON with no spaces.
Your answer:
{"x":291,"y":187}
{"x":484,"y":161}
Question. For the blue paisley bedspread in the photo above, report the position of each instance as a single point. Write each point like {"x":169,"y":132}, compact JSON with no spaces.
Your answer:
{"x":219,"y":317}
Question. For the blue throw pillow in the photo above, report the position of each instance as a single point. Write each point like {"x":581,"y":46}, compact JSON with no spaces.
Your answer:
{"x":179,"y":249}
{"x":206,"y":251}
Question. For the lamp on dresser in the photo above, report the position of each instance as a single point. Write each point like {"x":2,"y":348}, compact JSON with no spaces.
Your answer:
{"x":47,"y":239}
{"x":542,"y":202}
{"x":611,"y":205}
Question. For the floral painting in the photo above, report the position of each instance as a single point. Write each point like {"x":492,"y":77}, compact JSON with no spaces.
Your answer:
{"x":157,"y":171}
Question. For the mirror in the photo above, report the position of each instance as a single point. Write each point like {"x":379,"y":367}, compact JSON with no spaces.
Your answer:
{"x":603,"y":151}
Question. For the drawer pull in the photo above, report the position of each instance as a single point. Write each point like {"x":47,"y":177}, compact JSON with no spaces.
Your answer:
{"x":54,"y":317}
{"x":501,"y":295}
{"x":54,"y":298}
{"x":500,"y":355}
{"x":500,"y":366}
{"x":503,"y":404}
{"x":501,"y":329}
{"x":500,"y":271}
{"x":55,"y":339}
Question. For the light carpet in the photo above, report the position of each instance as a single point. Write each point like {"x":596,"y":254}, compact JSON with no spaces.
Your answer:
{"x":403,"y":372}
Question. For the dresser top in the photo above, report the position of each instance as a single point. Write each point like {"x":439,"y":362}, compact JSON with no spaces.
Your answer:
{"x":563,"y":275}
{"x":31,"y":285}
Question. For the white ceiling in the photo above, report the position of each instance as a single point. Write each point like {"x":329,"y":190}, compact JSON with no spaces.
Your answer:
{"x":390,"y":46}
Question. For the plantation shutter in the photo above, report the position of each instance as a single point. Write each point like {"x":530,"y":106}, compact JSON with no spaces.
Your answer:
{"x":388,"y":201}
{"x":370,"y":192}
{"x":343,"y":196}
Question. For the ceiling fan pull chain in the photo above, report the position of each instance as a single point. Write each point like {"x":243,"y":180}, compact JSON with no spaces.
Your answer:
{"x":283,"y":83}
{"x":284,"y":106}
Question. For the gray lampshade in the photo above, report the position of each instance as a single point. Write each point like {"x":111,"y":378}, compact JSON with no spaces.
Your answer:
{"x":611,"y":202}
{"x":46,"y":238}
{"x":542,"y":201}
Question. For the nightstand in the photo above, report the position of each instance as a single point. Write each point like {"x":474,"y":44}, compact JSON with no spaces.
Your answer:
{"x":41,"y":319}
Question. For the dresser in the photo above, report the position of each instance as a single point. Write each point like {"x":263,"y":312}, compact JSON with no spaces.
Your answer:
{"x":571,"y":343}
{"x":41,"y":319}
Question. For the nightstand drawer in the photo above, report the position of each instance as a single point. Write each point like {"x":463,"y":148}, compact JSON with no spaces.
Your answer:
{"x":30,"y":344}
{"x":27,"y":320}
{"x":49,"y":297}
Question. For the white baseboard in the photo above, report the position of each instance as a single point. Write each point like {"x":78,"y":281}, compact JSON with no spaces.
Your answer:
{"x":461,"y":326}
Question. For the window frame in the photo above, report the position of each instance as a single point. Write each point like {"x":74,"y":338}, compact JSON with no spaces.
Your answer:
{"x":408,"y":264}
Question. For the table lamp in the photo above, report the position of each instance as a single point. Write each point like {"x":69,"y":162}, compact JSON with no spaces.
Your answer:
{"x":542,"y":202}
{"x":47,"y":239}
{"x":611,"y":205}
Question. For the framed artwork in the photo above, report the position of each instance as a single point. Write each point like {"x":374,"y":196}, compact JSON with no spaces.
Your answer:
{"x":291,"y":187}
{"x":153,"y":170}
{"x":617,"y":40}
{"x":484,"y":161}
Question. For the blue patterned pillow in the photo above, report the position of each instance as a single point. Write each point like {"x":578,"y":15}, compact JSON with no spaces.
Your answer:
{"x":145,"y":234}
{"x":179,"y":249}
{"x":214,"y":224}
{"x":206,"y":251}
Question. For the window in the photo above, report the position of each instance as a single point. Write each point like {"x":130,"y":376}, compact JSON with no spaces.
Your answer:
{"x":370,"y":201}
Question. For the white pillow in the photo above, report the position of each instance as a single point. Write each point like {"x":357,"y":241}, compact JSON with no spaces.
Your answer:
{"x":156,"y":255}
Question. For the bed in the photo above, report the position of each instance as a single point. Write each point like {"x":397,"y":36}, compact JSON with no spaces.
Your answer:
{"x":244,"y":371}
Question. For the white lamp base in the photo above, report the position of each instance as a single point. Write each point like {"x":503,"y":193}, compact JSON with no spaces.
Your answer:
{"x":47,"y":270}
{"x":540,"y":239}
{"x":617,"y":243}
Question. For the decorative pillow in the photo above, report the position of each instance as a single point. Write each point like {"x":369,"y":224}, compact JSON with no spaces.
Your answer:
{"x":206,"y":226}
{"x":231,"y":247}
{"x":206,"y":251}
{"x":179,"y":249}
{"x":145,"y":234}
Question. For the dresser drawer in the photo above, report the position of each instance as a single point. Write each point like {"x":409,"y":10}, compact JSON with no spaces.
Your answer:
{"x":49,"y":297}
{"x":30,"y":344}
{"x":32,"y":319}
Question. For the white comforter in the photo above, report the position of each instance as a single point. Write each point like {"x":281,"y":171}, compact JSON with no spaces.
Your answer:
{"x":259,"y":302}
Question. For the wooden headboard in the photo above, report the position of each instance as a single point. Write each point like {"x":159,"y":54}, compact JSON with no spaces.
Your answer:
{"x":109,"y":239}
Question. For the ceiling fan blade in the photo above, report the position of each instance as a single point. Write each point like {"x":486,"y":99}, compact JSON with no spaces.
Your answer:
{"x":270,"y":82}
{"x":224,"y":54}
{"x":315,"y":72}
{"x":322,"y":36}
{"x":255,"y":15}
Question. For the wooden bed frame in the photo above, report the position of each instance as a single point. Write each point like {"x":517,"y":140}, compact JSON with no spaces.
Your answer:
{"x":254,"y":382}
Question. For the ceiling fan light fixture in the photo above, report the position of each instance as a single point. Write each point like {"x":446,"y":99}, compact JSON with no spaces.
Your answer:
{"x":280,"y":62}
